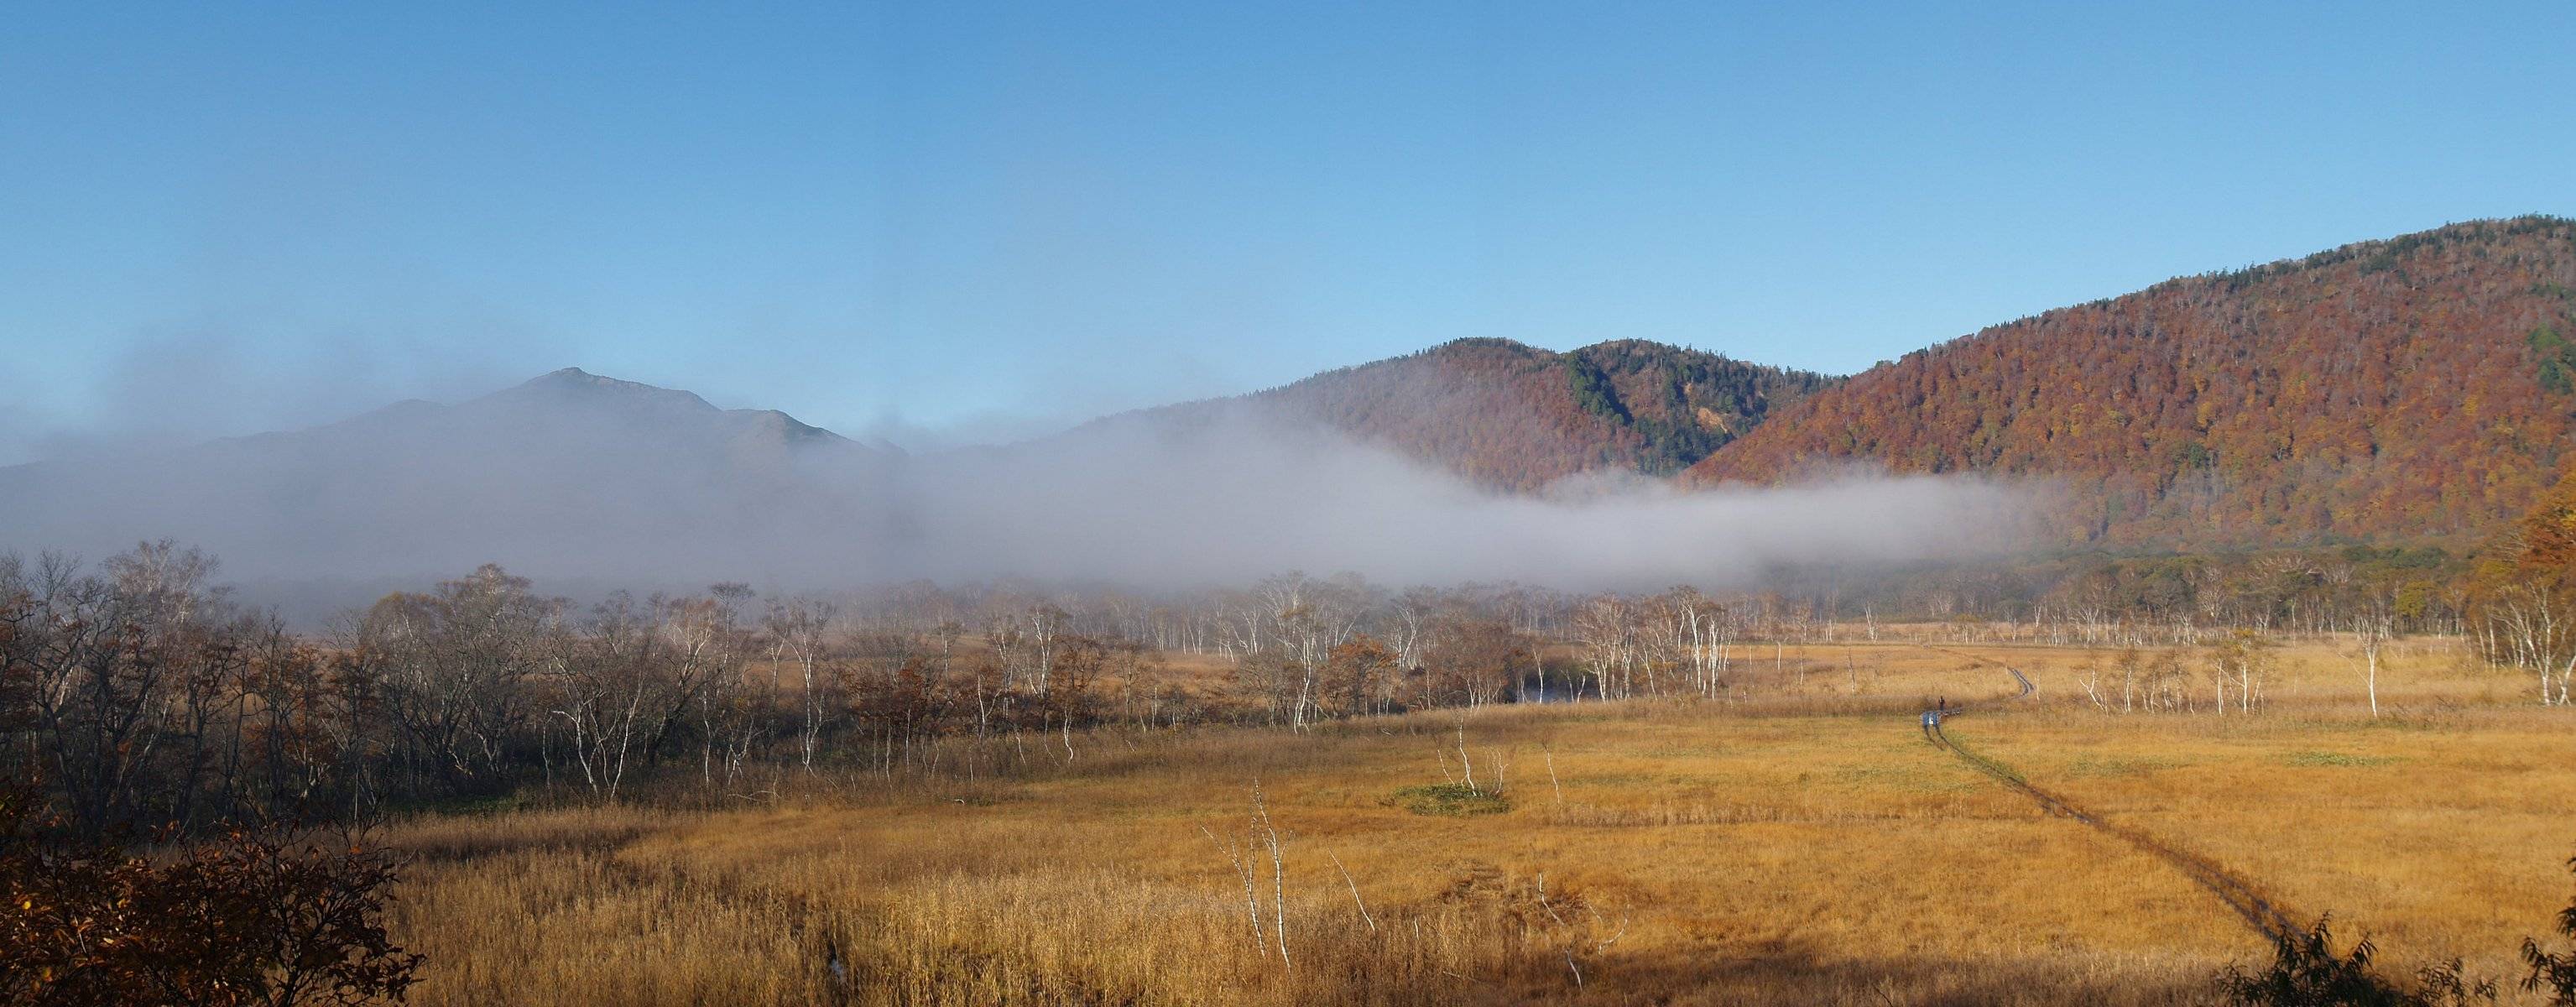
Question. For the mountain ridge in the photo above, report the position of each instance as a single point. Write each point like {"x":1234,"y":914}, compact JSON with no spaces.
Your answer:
{"x":2406,"y":390}
{"x":1513,"y":417}
{"x":2414,"y":388}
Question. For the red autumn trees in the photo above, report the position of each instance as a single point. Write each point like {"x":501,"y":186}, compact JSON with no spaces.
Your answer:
{"x":2409,"y":390}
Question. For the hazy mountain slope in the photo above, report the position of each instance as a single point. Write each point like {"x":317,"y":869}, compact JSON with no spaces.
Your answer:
{"x":575,"y":480}
{"x":1514,"y":417}
{"x":2418,"y":389}
{"x":2414,"y":389}
{"x":565,"y":465}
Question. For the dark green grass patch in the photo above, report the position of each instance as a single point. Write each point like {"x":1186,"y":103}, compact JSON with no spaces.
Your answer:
{"x":2337,"y":759}
{"x":1451,"y":799}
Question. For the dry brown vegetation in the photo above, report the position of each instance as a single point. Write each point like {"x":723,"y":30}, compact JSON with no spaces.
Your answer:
{"x":1808,"y":847}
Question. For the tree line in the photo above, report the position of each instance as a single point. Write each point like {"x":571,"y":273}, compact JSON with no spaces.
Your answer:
{"x":142,"y":693}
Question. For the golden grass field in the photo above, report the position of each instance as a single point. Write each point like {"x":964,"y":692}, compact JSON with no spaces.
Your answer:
{"x":1803,"y":846}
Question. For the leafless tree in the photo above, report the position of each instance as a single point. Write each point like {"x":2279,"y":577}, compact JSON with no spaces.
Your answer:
{"x":453,"y":665}
{"x":797,"y":630}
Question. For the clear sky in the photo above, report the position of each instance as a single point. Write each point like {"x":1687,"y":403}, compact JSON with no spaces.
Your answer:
{"x":228,"y":217}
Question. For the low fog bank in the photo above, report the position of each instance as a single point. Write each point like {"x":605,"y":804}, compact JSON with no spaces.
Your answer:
{"x":1234,"y":495}
{"x":574,"y":485}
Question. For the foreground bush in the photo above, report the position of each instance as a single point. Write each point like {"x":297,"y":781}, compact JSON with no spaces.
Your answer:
{"x":260,"y":916}
{"x":2306,"y":972}
{"x":2553,"y":973}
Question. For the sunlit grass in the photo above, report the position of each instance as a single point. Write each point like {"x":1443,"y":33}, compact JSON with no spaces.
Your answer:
{"x":1801,"y":843}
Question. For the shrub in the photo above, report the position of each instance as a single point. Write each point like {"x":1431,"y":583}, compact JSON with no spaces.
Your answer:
{"x":2553,"y":974}
{"x":267,"y":916}
{"x":2306,"y":972}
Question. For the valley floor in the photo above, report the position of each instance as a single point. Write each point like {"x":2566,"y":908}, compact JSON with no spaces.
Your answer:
{"x":1804,"y":844}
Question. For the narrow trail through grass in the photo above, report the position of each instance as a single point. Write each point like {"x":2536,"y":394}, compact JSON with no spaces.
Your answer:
{"x":2261,"y":911}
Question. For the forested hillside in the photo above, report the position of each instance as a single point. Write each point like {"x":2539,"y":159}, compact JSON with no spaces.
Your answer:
{"x":1515,"y":417}
{"x":2411,"y":390}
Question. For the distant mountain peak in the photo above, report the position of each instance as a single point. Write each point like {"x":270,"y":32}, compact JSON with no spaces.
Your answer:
{"x":573,"y":381}
{"x":574,"y":377}
{"x":1465,"y":344}
{"x":1509,"y":416}
{"x":588,"y":392}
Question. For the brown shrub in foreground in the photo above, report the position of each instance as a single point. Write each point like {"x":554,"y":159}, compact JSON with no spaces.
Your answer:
{"x":257,"y":916}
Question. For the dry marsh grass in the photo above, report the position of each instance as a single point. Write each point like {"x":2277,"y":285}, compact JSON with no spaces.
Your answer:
{"x":1798,"y":844}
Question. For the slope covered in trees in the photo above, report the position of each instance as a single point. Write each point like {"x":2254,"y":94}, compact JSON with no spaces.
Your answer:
{"x":2411,"y":390}
{"x":1515,"y":417}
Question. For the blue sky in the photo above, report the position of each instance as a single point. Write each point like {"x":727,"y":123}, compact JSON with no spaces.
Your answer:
{"x":982,"y":219}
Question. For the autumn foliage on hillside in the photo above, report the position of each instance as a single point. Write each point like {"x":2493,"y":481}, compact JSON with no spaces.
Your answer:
{"x":2410,"y":390}
{"x":1516,"y":417}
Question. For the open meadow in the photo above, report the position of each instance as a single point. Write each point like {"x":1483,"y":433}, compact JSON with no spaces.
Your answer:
{"x":883,"y":504}
{"x":1801,"y":841}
